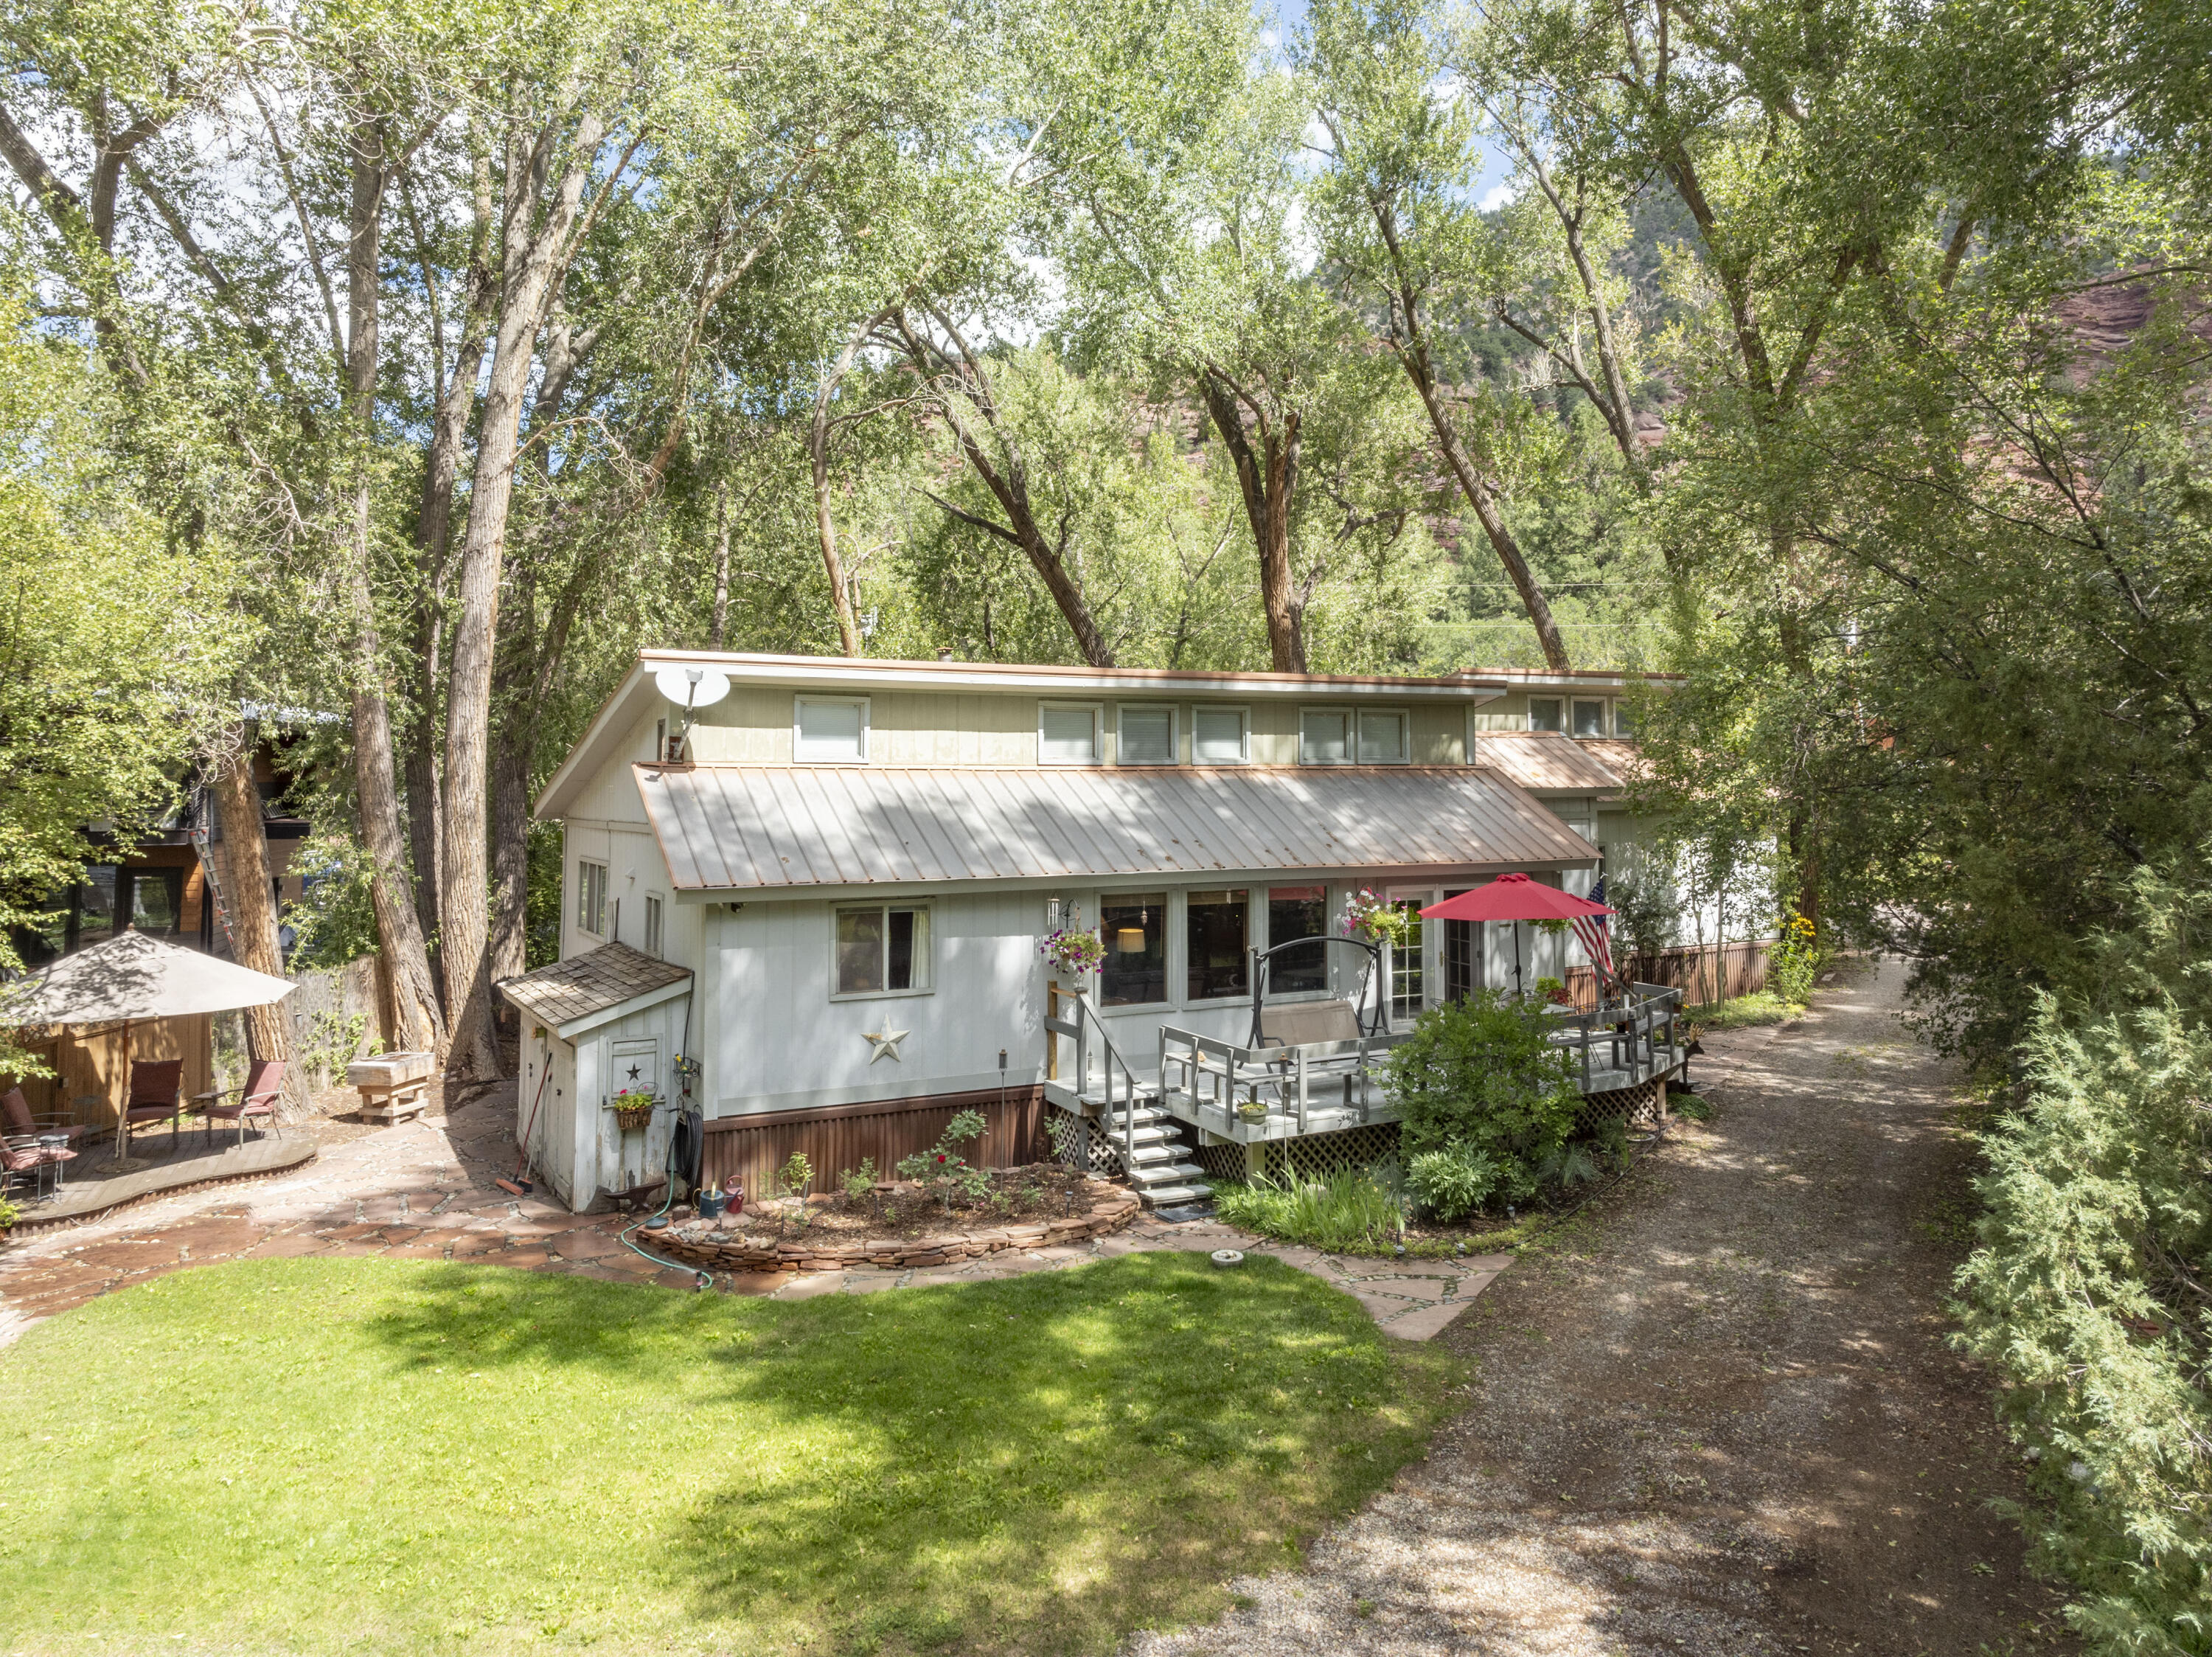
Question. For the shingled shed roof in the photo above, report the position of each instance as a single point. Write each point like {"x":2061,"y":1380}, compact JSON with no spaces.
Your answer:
{"x":735,"y":828}
{"x":588,"y":989}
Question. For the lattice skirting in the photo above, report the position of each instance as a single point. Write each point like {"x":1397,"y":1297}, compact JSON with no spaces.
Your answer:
{"x":1640,"y":1106}
{"x":1077,"y":1142}
{"x":1313,"y":1157}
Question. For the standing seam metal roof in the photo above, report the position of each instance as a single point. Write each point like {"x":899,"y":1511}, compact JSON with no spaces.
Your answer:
{"x":759,"y":828}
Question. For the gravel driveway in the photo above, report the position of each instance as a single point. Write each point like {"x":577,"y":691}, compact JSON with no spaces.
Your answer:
{"x":1716,"y":1415}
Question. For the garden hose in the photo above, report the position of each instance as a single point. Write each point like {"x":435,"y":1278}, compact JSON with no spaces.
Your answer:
{"x":700,"y":1280}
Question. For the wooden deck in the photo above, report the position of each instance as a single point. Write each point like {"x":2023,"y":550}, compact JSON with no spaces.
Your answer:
{"x":1257,"y":1095}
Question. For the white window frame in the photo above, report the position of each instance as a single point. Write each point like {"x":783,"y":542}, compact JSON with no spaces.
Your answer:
{"x":1098,"y":712}
{"x":800,"y":757}
{"x":928,"y":952}
{"x":588,"y":921}
{"x":1174,"y":732}
{"x":1624,"y":720}
{"x":656,"y":926}
{"x":1404,"y":718}
{"x":1566,"y":712}
{"x":1604,"y":716}
{"x":1243,"y":713}
{"x":1351,"y":718}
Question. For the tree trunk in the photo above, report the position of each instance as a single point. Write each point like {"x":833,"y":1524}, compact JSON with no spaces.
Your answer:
{"x":1008,"y":484}
{"x":249,"y":896}
{"x":510,"y":781}
{"x":716,"y":633}
{"x":419,"y":1024}
{"x":464,"y":909}
{"x":826,"y":526}
{"x":1269,"y":481}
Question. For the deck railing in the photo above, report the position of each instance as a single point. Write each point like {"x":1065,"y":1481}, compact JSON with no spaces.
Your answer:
{"x":1629,"y":1026}
{"x":1253,"y":1084}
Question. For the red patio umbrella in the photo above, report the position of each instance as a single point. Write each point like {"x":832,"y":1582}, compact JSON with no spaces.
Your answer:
{"x":1514,"y":897}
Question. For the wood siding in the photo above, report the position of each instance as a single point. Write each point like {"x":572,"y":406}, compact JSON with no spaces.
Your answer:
{"x":838,"y":1138}
{"x":92,"y":1073}
{"x":1716,"y":972}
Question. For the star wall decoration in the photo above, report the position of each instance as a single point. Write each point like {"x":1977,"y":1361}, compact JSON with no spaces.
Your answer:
{"x":886,"y":1041}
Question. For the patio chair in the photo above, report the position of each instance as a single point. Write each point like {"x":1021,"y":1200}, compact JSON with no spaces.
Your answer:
{"x":22,"y":1154}
{"x":157,"y":1092}
{"x":21,"y":1122}
{"x":265,"y":1083}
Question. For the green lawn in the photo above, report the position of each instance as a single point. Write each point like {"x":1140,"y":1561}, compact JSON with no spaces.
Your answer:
{"x":386,"y":1456}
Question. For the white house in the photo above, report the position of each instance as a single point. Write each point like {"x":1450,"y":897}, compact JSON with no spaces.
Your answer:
{"x":829,"y":893}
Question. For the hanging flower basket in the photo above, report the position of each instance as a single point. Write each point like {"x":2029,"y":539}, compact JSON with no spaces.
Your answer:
{"x":1365,"y":913}
{"x":1076,"y":953}
{"x":633,"y":1110}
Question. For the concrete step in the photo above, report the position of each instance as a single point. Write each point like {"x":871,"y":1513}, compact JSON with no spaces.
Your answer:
{"x":1168,"y":1197}
{"x":1160,"y":1173}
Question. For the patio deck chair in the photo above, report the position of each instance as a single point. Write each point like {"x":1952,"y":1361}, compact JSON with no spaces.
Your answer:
{"x":21,"y":1122}
{"x":22,"y":1154}
{"x":157,"y":1093}
{"x":265,"y":1083}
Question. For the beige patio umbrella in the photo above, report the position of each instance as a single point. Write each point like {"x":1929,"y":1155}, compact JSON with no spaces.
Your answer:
{"x":129,"y":979}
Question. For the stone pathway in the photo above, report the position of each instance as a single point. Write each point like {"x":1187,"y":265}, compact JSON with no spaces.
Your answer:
{"x":423,"y":1191}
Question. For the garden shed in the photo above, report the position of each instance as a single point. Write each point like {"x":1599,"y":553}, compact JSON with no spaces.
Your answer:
{"x":598,"y":1028}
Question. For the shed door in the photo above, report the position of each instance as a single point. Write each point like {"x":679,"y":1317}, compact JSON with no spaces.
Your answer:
{"x":635,"y":1065}
{"x":636,"y":1068}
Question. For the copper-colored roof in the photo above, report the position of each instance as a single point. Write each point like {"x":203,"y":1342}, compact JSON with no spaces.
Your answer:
{"x":1551,"y":762}
{"x":596,"y":981}
{"x":737,"y":828}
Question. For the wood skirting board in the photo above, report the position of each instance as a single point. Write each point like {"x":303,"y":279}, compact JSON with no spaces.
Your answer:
{"x":838,"y":1137}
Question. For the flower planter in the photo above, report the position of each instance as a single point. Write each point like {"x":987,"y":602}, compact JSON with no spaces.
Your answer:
{"x":631,"y":1117}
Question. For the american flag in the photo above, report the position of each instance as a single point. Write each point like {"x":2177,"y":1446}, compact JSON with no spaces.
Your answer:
{"x":1595,"y":934}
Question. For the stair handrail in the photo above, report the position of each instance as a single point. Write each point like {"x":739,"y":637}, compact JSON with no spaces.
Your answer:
{"x":1088,"y":1017}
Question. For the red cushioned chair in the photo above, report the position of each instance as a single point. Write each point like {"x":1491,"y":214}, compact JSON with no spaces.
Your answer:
{"x":157,"y":1094}
{"x":22,"y":1123}
{"x":265,"y":1083}
{"x":20,"y":1155}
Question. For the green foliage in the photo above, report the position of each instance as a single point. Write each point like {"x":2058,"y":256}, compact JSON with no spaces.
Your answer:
{"x":1743,"y":1013}
{"x":901,"y":1472}
{"x":859,"y":1182}
{"x":2086,"y":1289}
{"x":1477,"y":1079}
{"x":942,"y":1163}
{"x":1353,"y":1209}
{"x":335,"y":922}
{"x":114,"y":647}
{"x":1453,"y":1182}
{"x":1798,"y":955}
{"x":795,"y":1175}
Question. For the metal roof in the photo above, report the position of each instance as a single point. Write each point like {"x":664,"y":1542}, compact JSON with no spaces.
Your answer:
{"x":744,"y":828}
{"x":1549,"y":762}
{"x":572,"y":994}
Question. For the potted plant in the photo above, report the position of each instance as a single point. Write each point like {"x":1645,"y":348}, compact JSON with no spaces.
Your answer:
{"x":633,"y":1109}
{"x":1253,"y":1110}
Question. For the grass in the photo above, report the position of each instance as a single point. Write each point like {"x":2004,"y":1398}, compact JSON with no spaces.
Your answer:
{"x":383,"y":1456}
{"x":1743,"y":1013}
{"x":1351,"y":1210}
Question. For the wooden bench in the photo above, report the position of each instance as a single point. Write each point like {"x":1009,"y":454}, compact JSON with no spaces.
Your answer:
{"x":394,"y":1086}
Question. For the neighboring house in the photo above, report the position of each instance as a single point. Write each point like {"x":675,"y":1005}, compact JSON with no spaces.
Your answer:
{"x":158,"y":882}
{"x":829,"y":904}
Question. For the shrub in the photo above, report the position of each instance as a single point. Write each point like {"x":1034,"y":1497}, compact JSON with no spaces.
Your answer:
{"x":2087,"y":1289}
{"x":1477,"y":1079}
{"x":1796,"y":961}
{"x":1451,"y":1183}
{"x":859,"y":1182}
{"x":796,"y":1175}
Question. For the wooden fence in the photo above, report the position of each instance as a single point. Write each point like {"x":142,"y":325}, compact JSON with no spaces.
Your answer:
{"x":1716,"y":972}
{"x":838,"y":1138}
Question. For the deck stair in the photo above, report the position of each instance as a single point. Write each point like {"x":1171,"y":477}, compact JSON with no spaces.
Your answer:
{"x":1124,"y":1106}
{"x":1152,"y":1153}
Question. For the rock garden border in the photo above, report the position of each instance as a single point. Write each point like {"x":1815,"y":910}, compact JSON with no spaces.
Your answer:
{"x":695,"y":1243}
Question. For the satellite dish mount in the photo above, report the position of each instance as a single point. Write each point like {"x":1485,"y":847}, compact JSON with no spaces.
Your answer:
{"x":691,"y":689}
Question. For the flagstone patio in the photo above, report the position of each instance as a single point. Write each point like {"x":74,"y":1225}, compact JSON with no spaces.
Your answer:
{"x":423,"y":1191}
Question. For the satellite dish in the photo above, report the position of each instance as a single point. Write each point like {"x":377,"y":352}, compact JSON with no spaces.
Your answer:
{"x":692,"y":687}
